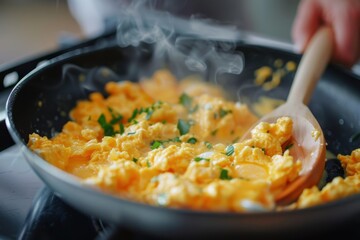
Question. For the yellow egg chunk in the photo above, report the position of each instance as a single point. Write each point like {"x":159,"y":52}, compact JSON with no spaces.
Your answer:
{"x":338,"y":187}
{"x":174,"y":143}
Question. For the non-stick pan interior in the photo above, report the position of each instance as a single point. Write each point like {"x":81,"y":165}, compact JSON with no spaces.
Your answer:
{"x":41,"y":102}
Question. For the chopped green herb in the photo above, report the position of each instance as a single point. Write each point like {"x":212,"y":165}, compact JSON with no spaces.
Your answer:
{"x":223,"y":112}
{"x":355,"y":137}
{"x":135,"y":160}
{"x":148,"y":164}
{"x":183,"y":126}
{"x":133,"y":116}
{"x":116,"y":117}
{"x":131,"y":133}
{"x":224,"y":174}
{"x":264,"y":150}
{"x":121,"y":127}
{"x":163,"y":121}
{"x":186,"y":101}
{"x":198,"y":159}
{"x":148,"y":114}
{"x":108,"y":128}
{"x":192,"y":140}
{"x":149,"y":111}
{"x":229,"y":150}
{"x":208,"y":145}
{"x":155,"y":144}
{"x":102,"y":120}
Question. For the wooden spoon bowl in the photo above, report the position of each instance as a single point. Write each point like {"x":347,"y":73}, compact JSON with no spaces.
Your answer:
{"x":308,"y":139}
{"x":308,"y":146}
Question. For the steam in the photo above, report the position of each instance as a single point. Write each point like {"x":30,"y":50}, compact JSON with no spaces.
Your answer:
{"x":189,"y":52}
{"x":186,"y":47}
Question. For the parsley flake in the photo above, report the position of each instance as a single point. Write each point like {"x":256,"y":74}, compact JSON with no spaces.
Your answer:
{"x":133,"y":116}
{"x":185,"y":100}
{"x":223,"y":112}
{"x":183,"y":126}
{"x":116,"y":117}
{"x":108,"y":128}
{"x":148,"y":114}
{"x":134,"y":160}
{"x":229,"y":150}
{"x":192,"y":140}
{"x":224,"y":174}
{"x":208,"y":145}
{"x":121,"y":127}
{"x":198,"y":159}
{"x":156,"y":144}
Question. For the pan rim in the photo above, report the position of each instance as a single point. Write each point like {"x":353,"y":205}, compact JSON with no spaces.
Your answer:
{"x":75,"y":182}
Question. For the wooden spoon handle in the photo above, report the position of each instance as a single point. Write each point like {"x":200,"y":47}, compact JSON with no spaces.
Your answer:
{"x":312,"y":65}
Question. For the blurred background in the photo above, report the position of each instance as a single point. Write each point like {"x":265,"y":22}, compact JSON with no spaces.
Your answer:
{"x":30,"y":27}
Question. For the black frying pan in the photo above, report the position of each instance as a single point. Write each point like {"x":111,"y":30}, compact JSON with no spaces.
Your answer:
{"x":335,"y":104}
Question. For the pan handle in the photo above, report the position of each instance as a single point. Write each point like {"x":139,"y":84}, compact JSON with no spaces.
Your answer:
{"x":6,"y":140}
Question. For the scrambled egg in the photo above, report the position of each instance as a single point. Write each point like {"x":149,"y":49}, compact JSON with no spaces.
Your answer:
{"x":338,"y":187}
{"x":263,"y":74}
{"x":175,"y":143}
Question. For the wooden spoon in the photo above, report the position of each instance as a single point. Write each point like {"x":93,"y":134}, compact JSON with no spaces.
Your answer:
{"x":306,"y":147}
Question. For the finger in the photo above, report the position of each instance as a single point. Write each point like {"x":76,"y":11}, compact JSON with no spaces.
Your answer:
{"x":307,"y":21}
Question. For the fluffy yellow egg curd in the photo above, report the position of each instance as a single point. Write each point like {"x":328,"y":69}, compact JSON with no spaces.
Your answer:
{"x":175,"y":143}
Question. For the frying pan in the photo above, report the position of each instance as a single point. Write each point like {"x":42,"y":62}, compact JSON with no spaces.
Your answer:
{"x":335,"y":104}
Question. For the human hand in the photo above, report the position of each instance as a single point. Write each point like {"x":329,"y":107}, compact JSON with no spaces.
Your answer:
{"x":343,"y":16}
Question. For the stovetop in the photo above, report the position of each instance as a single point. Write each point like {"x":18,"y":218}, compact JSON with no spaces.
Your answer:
{"x":18,"y":186}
